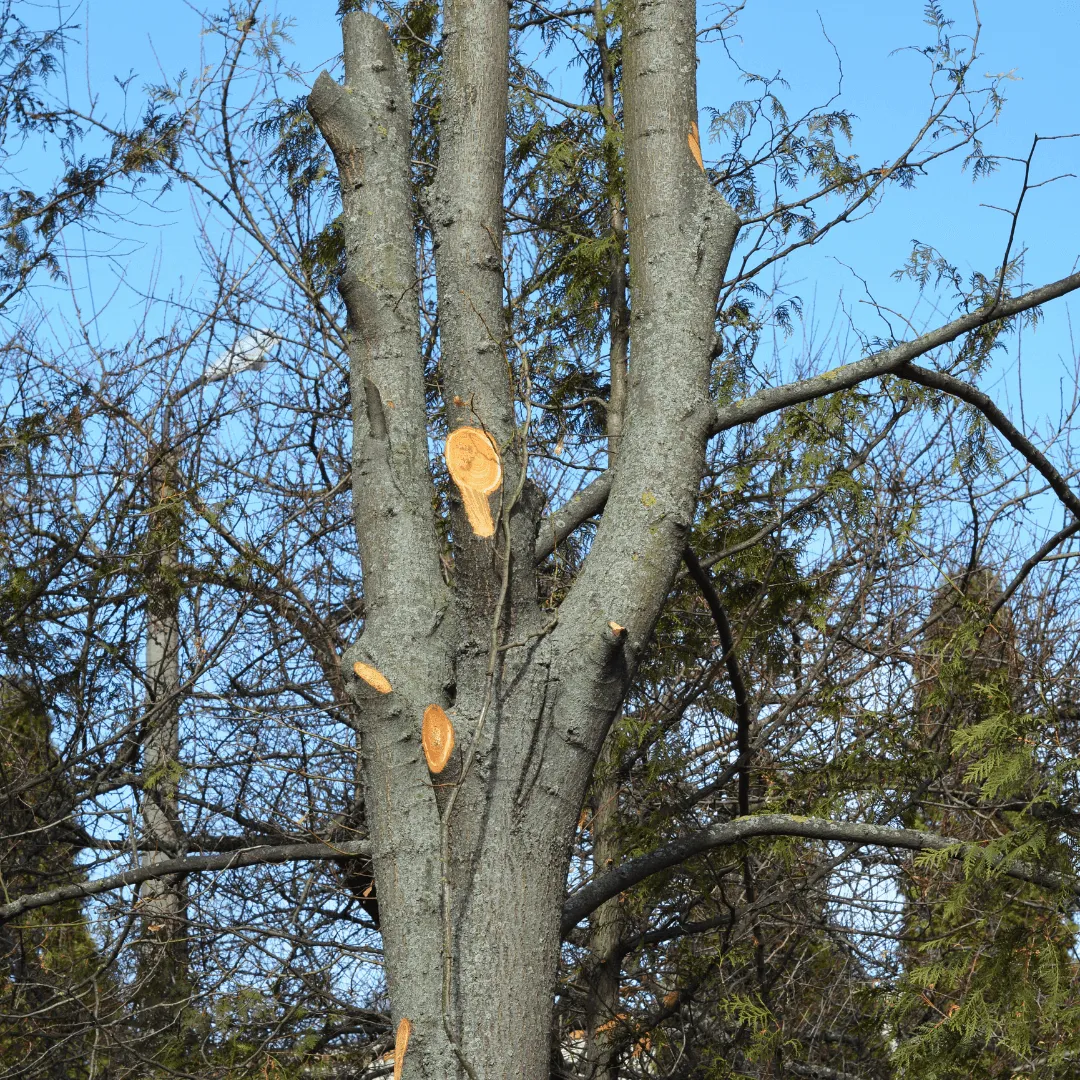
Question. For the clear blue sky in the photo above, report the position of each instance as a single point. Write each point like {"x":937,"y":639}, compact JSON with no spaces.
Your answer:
{"x":884,"y":88}
{"x":1036,"y":43}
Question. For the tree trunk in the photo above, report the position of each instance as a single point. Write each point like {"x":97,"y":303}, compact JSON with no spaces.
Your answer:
{"x":470,"y":862}
{"x":164,"y":979}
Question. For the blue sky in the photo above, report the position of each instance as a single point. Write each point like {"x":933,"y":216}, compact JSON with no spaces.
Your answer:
{"x":885,"y":88}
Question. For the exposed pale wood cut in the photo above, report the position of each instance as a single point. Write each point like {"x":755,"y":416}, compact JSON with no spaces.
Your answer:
{"x":373,"y":677}
{"x":472,"y":459}
{"x":695,"y":145}
{"x":437,"y":738}
{"x":401,"y":1042}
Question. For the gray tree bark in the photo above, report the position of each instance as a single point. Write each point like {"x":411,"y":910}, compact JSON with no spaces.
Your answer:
{"x":163,"y":974}
{"x":471,"y":864}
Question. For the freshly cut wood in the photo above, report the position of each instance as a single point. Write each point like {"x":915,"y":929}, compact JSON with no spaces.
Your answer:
{"x":472,"y":459}
{"x":401,"y":1042}
{"x":695,"y":145}
{"x":437,"y":738}
{"x":373,"y":677}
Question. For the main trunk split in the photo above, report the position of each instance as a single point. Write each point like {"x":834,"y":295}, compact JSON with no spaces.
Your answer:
{"x":482,"y":714}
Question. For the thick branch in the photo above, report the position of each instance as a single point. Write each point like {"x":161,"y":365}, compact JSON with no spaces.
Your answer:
{"x":681,"y":233}
{"x":478,"y":374}
{"x":367,"y":124}
{"x":469,"y":213}
{"x":886,"y":362}
{"x":591,"y":501}
{"x":558,"y":525}
{"x":193,"y":864}
{"x":589,"y":898}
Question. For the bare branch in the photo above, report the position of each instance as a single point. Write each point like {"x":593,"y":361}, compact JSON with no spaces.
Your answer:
{"x":939,"y":380}
{"x":193,"y":864}
{"x":557,"y":526}
{"x":1058,"y":538}
{"x":738,"y":686}
{"x":887,"y":362}
{"x":589,"y":898}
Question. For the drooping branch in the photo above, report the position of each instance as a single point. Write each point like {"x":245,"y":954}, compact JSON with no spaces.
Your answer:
{"x":731,"y":661}
{"x":742,"y":718}
{"x":591,"y":896}
{"x":192,"y":864}
{"x":940,"y":380}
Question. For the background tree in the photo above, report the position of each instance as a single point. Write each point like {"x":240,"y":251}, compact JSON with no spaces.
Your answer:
{"x":55,"y":991}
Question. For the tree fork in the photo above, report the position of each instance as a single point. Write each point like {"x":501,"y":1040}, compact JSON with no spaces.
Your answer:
{"x":470,"y":896}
